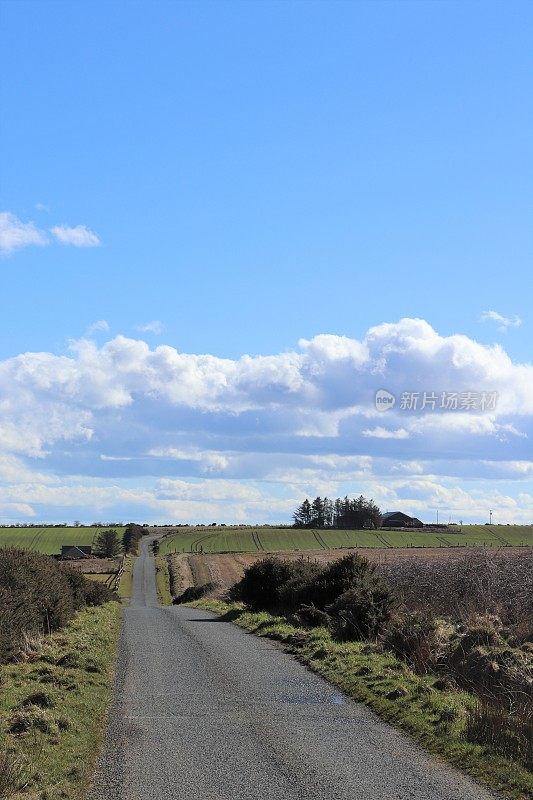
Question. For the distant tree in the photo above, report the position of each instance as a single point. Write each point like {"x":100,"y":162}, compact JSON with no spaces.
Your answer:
{"x":328,"y":513}
{"x":337,"y":513}
{"x":302,"y":516}
{"x":374,"y":515}
{"x":341,"y":513}
{"x":131,"y":537}
{"x":317,"y":512}
{"x":107,"y":544}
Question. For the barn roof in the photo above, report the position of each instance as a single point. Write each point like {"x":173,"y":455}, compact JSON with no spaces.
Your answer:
{"x":76,"y":550}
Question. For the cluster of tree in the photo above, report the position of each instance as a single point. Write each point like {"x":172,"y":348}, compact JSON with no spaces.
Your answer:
{"x":107,"y":543}
{"x":131,"y":537}
{"x":339,"y":513}
{"x":36,"y":525}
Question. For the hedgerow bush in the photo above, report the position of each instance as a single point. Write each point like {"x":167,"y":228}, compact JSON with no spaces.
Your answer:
{"x":96,"y":594}
{"x":312,"y":584}
{"x":192,"y":593}
{"x":346,"y":594}
{"x":362,"y":611}
{"x":259,"y":587}
{"x":38,"y":596}
{"x":299,"y":590}
{"x":339,"y":576}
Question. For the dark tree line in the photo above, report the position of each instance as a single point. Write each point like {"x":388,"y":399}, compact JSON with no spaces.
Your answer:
{"x":131,"y":538}
{"x":339,"y":513}
{"x":107,"y":544}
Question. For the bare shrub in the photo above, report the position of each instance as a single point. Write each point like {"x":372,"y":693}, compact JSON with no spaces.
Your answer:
{"x":462,"y":588}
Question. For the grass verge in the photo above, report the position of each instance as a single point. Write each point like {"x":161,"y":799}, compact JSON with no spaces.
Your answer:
{"x":53,"y":708}
{"x":434,"y":716}
{"x":126,"y":581}
{"x":162,"y":580}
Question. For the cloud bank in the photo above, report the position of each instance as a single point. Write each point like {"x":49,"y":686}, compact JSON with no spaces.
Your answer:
{"x":128,"y":430}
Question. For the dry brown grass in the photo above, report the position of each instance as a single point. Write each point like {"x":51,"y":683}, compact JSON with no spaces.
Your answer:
{"x":12,"y":773}
{"x":498,"y":584}
{"x":507,"y":731}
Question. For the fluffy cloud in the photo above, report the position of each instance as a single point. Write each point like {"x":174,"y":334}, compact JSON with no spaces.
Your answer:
{"x":297,"y":422}
{"x":77,"y":236}
{"x":15,"y":234}
{"x":504,"y":323}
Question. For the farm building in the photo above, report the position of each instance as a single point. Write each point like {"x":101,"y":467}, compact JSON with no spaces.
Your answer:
{"x":396,"y":519}
{"x":73,"y":552}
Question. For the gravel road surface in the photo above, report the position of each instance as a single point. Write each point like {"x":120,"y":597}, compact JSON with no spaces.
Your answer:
{"x":205,"y":711}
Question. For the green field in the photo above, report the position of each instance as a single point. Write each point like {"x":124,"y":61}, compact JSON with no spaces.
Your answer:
{"x":102,"y":577}
{"x":244,"y":540}
{"x":49,"y":540}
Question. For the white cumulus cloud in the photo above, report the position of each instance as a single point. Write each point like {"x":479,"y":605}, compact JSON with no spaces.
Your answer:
{"x":15,"y":234}
{"x":504,"y":323}
{"x":77,"y":236}
{"x":303,"y":420}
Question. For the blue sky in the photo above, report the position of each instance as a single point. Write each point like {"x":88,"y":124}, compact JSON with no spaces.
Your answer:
{"x":229,"y":178}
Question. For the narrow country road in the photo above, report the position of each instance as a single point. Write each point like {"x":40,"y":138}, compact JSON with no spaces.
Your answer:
{"x":205,"y":711}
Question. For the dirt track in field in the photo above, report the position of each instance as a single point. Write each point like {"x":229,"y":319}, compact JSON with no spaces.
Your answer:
{"x":225,"y":569}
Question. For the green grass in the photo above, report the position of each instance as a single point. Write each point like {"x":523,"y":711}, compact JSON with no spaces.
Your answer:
{"x":101,"y":577}
{"x":49,"y":540}
{"x":162,"y":580}
{"x":241,"y":540}
{"x":74,"y":674}
{"x":126,"y":581}
{"x":434,"y":717}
